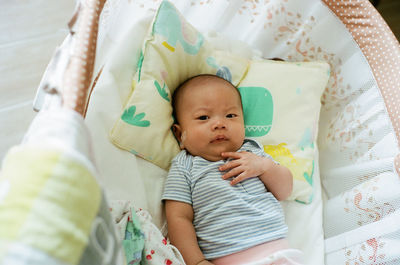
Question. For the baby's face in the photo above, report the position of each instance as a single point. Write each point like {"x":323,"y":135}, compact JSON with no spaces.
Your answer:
{"x":210,"y":119}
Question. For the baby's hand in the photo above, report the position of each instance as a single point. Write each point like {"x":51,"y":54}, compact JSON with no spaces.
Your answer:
{"x":245,"y":165}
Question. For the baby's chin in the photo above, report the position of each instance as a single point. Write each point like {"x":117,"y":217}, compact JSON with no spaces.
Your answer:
{"x":213,"y":157}
{"x":213,"y":152}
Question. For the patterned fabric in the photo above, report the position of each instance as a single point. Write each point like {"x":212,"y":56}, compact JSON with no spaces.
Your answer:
{"x":130,"y":232}
{"x":155,"y":250}
{"x":255,"y":216}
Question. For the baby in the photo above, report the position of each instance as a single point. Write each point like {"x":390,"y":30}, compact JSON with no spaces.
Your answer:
{"x":222,"y":191}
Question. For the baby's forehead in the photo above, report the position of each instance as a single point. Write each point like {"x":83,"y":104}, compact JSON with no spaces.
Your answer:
{"x":183,"y":92}
{"x":198,"y":82}
{"x":206,"y":78}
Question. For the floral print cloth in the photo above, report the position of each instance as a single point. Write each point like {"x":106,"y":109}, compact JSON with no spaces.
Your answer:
{"x":135,"y":226}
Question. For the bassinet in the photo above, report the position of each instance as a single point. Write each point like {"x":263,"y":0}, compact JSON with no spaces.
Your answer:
{"x":354,"y":217}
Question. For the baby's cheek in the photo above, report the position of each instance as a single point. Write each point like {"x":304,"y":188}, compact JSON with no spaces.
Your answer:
{"x":183,"y":137}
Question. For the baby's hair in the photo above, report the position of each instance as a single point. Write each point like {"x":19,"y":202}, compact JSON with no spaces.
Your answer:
{"x":179,"y":89}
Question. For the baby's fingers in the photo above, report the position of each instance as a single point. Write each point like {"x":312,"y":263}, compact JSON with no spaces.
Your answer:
{"x":242,"y":176}
{"x":234,"y":155}
{"x":229,"y":165}
{"x":232,"y":173}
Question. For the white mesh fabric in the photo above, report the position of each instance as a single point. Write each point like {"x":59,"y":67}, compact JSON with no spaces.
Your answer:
{"x":375,"y":243}
{"x":366,"y":203}
{"x":357,"y":147}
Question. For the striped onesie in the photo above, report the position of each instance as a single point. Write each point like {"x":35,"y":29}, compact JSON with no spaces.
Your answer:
{"x":227,"y":219}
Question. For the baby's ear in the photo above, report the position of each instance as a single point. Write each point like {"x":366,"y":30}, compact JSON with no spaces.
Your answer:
{"x":176,"y":129}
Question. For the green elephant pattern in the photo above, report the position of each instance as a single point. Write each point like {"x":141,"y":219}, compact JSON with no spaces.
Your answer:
{"x":258,"y":110}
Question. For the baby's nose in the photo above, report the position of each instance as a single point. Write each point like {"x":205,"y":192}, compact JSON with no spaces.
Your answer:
{"x":219,"y":124}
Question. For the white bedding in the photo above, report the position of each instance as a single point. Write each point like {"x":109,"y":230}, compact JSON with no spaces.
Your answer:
{"x":126,"y":177}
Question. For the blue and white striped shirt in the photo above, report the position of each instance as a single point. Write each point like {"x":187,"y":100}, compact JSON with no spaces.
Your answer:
{"x":227,"y":219}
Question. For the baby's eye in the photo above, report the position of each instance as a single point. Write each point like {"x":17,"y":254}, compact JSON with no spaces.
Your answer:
{"x":231,"y":115}
{"x":203,"y":117}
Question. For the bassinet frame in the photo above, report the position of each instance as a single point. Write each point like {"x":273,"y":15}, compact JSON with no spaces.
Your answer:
{"x":368,"y":29}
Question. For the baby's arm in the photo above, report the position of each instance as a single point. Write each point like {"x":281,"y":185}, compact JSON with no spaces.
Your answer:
{"x":181,"y":232}
{"x":277,"y":178}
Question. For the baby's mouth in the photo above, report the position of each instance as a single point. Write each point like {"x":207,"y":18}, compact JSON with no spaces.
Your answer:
{"x":219,"y":138}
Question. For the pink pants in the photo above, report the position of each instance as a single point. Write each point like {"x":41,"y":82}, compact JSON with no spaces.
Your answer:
{"x":273,"y":253}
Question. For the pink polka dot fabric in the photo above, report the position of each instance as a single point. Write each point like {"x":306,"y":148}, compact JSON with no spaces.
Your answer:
{"x":78,"y":75}
{"x":380,"y":47}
